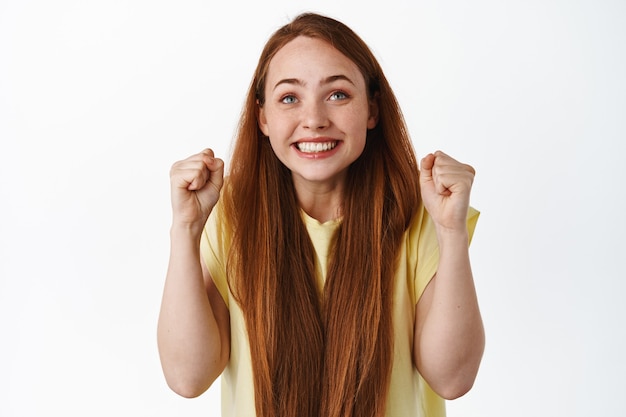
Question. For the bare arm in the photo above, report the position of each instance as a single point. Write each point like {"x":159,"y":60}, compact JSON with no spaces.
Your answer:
{"x":193,"y":330}
{"x":449,"y":335}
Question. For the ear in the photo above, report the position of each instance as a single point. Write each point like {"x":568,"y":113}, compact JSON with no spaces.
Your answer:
{"x":372,"y":119}
{"x":262,"y":119}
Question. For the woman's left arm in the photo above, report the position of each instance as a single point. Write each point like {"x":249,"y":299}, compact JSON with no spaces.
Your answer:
{"x":449,"y":334}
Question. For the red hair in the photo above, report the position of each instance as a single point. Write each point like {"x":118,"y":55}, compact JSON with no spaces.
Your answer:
{"x":333,"y":356}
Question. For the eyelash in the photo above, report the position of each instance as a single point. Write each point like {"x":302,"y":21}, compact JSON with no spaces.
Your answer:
{"x":339,"y":92}
{"x":286,"y":97}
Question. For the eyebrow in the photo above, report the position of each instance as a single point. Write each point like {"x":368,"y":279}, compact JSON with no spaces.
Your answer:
{"x":326,"y":80}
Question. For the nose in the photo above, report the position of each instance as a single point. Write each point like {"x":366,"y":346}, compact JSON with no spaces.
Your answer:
{"x":315,"y":116}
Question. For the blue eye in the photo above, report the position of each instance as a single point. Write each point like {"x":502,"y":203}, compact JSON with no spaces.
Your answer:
{"x":338,"y":95}
{"x":288,"y":99}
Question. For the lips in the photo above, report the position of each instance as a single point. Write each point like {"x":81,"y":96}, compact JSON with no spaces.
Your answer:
{"x":316,"y":147}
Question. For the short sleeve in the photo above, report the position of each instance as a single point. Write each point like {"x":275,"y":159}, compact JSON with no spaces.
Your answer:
{"x":213,"y":250}
{"x":424,"y":247}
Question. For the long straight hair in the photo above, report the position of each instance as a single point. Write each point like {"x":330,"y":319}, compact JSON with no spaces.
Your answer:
{"x":314,"y":357}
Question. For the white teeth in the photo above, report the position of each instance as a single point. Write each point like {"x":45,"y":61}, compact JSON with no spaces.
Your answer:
{"x":314,"y":147}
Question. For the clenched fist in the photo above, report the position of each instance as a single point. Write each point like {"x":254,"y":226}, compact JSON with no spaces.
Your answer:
{"x":195,"y":187}
{"x":445,"y":186}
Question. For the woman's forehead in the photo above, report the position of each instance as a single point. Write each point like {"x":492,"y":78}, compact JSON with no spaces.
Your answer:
{"x":311,"y":60}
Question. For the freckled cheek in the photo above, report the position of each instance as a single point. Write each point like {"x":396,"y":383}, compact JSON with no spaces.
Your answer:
{"x":280,"y":124}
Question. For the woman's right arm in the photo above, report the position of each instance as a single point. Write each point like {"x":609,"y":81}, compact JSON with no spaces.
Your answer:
{"x":193,"y":330}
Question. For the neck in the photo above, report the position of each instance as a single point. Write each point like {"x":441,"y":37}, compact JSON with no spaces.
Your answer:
{"x":320,"y":201}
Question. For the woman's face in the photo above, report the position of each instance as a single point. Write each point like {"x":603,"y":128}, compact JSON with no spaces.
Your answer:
{"x":316,"y":111}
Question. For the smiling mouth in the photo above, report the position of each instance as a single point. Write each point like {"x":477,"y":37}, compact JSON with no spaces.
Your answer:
{"x":315,"y":147}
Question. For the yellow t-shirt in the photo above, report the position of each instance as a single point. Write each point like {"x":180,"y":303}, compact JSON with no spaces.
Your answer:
{"x":409,"y":395}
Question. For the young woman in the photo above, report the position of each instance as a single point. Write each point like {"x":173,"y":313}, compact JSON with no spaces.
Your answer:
{"x":325,"y":276}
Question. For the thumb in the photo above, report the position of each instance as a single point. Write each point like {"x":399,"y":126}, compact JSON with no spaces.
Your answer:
{"x":216,"y":166}
{"x":426,"y":168}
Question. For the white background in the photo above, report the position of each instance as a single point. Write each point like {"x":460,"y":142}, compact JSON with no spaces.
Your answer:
{"x":98,"y":98}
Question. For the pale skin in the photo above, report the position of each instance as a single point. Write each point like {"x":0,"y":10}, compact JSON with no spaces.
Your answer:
{"x":449,"y":337}
{"x":193,"y":330}
{"x":314,"y":106}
